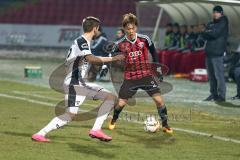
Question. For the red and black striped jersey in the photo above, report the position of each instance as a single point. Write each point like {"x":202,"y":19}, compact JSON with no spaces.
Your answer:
{"x":138,"y":61}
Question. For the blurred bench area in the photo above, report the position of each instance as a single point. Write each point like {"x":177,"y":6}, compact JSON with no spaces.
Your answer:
{"x":176,"y":26}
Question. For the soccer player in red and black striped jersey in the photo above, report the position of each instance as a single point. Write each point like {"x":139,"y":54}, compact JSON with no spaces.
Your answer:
{"x":138,"y":50}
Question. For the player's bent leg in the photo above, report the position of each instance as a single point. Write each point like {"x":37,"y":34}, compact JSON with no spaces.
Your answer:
{"x":162,"y":112}
{"x":60,"y":121}
{"x":72,"y":101}
{"x":103,"y":112}
{"x":117,"y":110}
{"x":54,"y":124}
{"x":96,"y":92}
{"x":124,"y":94}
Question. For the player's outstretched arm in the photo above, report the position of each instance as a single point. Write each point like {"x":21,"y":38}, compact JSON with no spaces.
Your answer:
{"x":95,"y":59}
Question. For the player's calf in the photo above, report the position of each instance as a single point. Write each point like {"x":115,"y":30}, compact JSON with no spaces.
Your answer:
{"x":117,"y":110}
{"x":162,"y":112}
{"x":103,"y":112}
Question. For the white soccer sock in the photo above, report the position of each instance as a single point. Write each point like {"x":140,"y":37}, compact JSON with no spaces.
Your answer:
{"x":56,"y":123}
{"x":103,"y":112}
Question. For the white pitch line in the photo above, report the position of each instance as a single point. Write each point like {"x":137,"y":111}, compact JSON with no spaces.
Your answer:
{"x":34,"y":95}
{"x":27,"y":99}
{"x":208,"y":135}
{"x":41,"y":96}
{"x":34,"y":101}
{"x":199,"y":133}
{"x":177,"y":129}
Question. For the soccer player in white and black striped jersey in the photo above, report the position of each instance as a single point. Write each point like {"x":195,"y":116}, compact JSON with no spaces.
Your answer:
{"x":75,"y":88}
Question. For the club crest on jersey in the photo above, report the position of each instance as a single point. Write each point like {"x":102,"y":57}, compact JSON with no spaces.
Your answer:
{"x":125,"y":47}
{"x":141,"y":44}
{"x":153,"y":84}
{"x":84,"y":46}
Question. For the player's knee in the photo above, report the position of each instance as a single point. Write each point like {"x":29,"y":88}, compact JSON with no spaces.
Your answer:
{"x":72,"y":115}
{"x":158,"y":101}
{"x":122,"y":102}
{"x":159,"y":104}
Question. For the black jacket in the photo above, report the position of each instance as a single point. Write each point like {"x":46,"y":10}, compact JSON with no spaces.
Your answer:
{"x":233,"y":61}
{"x":98,"y":47}
{"x":216,"y":34}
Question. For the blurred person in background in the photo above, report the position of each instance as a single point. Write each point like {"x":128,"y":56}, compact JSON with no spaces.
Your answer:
{"x":201,"y":27}
{"x":183,"y":37}
{"x":176,"y":37}
{"x":117,"y":68}
{"x":195,"y":36}
{"x":168,"y":36}
{"x":233,"y":63}
{"x":97,"y":48}
{"x":120,"y":34}
{"x":237,"y":75}
{"x":237,"y":80}
{"x":200,"y":42}
{"x":190,"y":37}
{"x":216,"y":34}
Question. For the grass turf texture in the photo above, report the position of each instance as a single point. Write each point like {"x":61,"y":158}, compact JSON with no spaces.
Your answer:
{"x":19,"y":119}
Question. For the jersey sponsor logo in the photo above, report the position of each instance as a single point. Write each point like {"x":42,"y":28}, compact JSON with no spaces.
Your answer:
{"x":135,"y":54}
{"x":84,"y":46}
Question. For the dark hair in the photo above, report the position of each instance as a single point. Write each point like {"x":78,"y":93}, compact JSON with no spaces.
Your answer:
{"x":89,"y":23}
{"x":169,"y":25}
{"x":218,"y":9}
{"x":100,"y":29}
{"x":122,"y":30}
{"x":176,"y":25}
{"x":129,"y":18}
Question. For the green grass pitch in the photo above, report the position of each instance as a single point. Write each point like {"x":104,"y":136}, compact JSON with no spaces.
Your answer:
{"x":22,"y":114}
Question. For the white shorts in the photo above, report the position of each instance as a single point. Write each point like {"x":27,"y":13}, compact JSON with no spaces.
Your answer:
{"x":76,"y":94}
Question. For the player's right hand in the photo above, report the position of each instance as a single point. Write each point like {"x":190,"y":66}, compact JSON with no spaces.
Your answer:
{"x":160,"y":76}
{"x":119,"y":57}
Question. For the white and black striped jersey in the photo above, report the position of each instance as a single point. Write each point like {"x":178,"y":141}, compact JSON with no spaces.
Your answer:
{"x":76,"y":64}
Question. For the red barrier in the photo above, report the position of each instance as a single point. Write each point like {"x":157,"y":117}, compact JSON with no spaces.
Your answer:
{"x":166,"y":58}
{"x":182,"y":62}
{"x":198,"y":59}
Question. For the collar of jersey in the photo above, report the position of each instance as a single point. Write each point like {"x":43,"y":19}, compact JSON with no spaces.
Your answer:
{"x":86,"y":40}
{"x":130,"y":40}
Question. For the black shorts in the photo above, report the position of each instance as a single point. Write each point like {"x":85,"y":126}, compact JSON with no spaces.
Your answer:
{"x":129,"y":87}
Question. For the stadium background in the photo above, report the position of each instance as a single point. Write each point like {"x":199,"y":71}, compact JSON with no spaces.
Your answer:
{"x":56,"y":23}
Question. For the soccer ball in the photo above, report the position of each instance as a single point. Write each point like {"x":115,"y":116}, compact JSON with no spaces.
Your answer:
{"x":151,"y":124}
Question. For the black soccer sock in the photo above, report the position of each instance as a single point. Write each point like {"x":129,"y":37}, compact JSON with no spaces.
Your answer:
{"x":116,"y":112}
{"x":162,"y":112}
